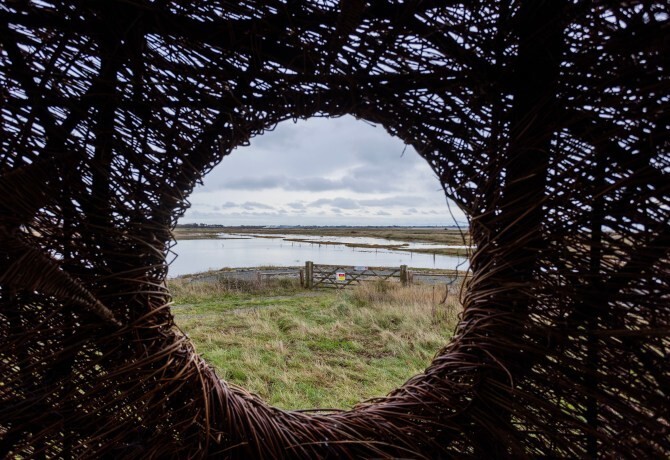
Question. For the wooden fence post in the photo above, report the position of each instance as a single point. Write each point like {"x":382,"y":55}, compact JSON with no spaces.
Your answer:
{"x":309,"y":274}
{"x":404,"y":279}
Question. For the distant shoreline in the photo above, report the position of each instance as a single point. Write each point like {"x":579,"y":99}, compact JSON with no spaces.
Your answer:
{"x":458,"y":239}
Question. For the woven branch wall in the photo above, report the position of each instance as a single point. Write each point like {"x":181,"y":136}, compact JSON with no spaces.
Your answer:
{"x":547,"y":121}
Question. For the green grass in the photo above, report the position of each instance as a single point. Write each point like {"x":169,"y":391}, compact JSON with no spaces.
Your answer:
{"x":314,"y":349}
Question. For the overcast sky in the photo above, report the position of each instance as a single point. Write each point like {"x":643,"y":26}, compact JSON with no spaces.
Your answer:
{"x":337,"y":171}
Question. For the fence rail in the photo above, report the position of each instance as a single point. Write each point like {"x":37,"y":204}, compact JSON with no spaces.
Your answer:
{"x":341,"y":276}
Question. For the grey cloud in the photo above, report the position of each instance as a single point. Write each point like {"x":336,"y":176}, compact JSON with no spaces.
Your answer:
{"x":257,"y":213}
{"x":334,"y":159}
{"x":253,"y":183}
{"x":341,"y":203}
{"x":283,"y":138}
{"x":366,"y":181}
{"x":397,"y":201}
{"x":312,"y":184}
{"x":296,"y":205}
{"x":230,"y":205}
{"x":345,"y":203}
{"x":319,"y":203}
{"x":201,"y":205}
{"x":372,"y":178}
{"x":362,"y":179}
{"x":194,"y":214}
{"x":255,"y":205}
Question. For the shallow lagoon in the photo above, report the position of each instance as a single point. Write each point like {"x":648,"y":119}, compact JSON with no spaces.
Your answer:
{"x":249,"y":251}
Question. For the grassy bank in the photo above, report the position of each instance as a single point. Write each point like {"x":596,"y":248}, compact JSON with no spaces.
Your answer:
{"x":444,"y":236}
{"x":398,"y":237}
{"x":314,"y":349}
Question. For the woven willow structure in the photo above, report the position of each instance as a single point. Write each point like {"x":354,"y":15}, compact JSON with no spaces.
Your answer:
{"x":546,"y":121}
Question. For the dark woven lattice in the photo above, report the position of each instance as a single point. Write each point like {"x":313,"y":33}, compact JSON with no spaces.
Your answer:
{"x":546,"y":121}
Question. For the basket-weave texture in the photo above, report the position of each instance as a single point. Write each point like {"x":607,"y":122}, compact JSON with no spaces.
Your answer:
{"x":546,"y":121}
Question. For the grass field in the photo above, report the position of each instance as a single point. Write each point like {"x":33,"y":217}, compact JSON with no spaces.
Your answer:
{"x":314,"y":349}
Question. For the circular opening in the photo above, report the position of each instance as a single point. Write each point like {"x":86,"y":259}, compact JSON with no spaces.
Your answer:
{"x":358,"y":204}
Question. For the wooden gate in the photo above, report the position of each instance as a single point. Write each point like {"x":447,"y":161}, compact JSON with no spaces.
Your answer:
{"x":340,"y":277}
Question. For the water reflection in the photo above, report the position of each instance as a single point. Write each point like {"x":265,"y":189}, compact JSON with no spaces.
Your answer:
{"x":248,"y":251}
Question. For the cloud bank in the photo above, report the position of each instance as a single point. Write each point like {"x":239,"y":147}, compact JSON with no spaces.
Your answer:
{"x":322,"y":172}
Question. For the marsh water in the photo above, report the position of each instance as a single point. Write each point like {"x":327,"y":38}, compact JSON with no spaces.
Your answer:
{"x":244,"y":250}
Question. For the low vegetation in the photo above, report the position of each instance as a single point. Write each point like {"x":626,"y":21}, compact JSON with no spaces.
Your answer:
{"x":447,"y":236}
{"x":315,"y":349}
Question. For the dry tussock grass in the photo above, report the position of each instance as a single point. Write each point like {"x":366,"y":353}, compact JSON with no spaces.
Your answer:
{"x":333,"y":349}
{"x":439,"y":302}
{"x":190,"y":289}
